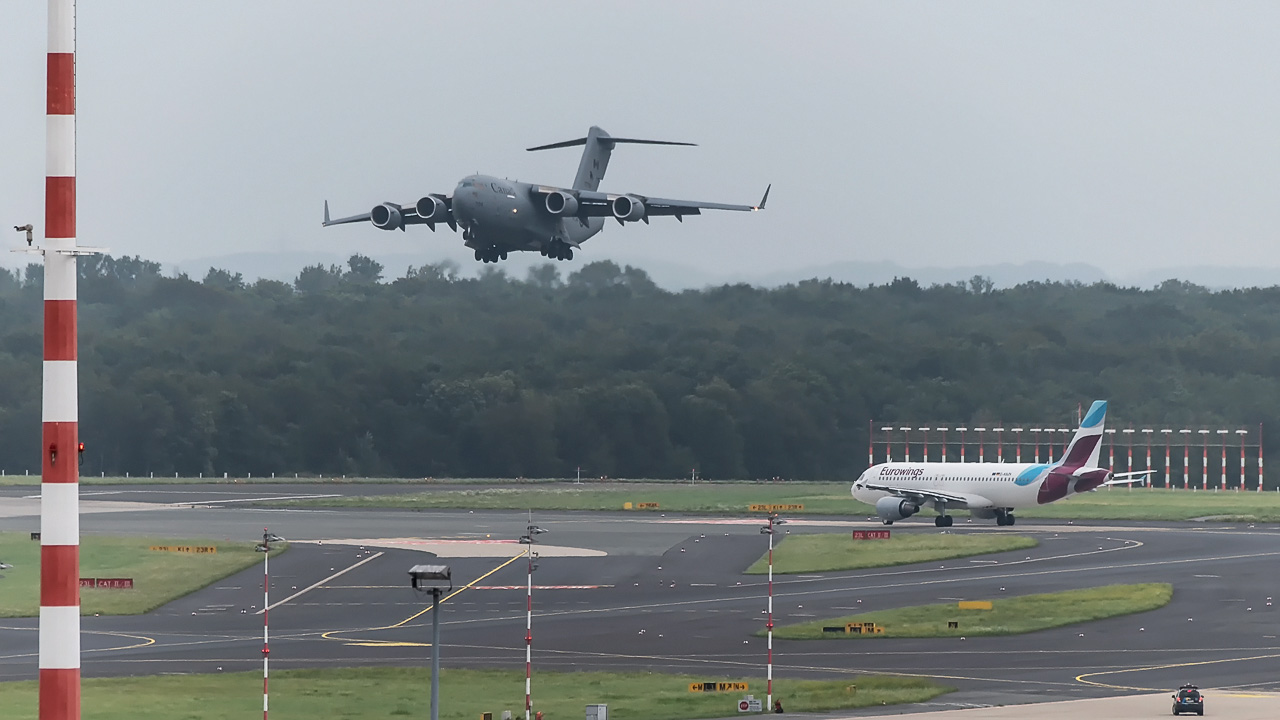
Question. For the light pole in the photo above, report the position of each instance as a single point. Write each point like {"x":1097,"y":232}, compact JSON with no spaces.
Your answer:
{"x":265,"y":548}
{"x":428,"y":577}
{"x":529,"y":539}
{"x":774,"y":520}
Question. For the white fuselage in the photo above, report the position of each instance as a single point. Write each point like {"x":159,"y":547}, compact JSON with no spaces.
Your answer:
{"x":1005,"y":485}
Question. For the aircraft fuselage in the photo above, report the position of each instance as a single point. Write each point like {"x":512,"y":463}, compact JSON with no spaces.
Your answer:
{"x":507,"y":216}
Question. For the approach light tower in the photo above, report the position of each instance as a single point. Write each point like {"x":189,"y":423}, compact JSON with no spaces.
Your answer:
{"x":59,"y":472}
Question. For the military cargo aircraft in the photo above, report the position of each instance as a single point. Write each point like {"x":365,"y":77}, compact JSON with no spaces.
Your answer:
{"x":500,"y":216}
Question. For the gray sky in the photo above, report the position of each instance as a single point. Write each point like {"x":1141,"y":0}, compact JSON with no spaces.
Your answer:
{"x":1122,"y":134}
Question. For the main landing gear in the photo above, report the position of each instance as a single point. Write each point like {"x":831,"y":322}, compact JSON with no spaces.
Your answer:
{"x":490,"y":254}
{"x":557,"y":250}
{"x":943,"y":521}
{"x":1005,"y":517}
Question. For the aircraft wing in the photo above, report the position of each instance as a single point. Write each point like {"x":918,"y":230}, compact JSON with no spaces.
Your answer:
{"x":597,"y":204}
{"x":920,"y":496}
{"x":403,"y":215}
{"x":343,"y":221}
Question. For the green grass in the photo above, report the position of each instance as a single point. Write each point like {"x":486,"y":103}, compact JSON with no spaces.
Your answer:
{"x":358,"y":693}
{"x":818,"y":553}
{"x":158,"y":576}
{"x":822,"y":498}
{"x":34,"y":480}
{"x":1140,"y":503}
{"x":1008,"y":616}
{"x":817,"y":498}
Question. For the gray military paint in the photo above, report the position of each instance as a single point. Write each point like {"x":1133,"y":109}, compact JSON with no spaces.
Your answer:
{"x":499,"y":216}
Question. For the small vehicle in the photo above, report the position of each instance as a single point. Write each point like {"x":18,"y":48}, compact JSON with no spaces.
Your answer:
{"x":1187,"y":700}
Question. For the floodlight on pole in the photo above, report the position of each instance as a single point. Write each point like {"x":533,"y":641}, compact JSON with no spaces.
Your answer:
{"x":529,"y":539}
{"x":774,"y":521}
{"x":429,"y":578}
{"x":264,"y":547}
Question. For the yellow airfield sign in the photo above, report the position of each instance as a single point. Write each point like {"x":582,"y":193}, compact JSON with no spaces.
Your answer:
{"x":717,"y":687}
{"x":774,"y":508}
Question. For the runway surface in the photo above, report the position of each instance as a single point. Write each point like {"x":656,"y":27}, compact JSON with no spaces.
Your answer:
{"x":667,"y":593}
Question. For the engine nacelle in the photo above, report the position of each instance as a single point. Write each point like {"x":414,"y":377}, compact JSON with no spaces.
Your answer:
{"x":628,"y":208}
{"x":431,"y":209}
{"x":559,"y":203}
{"x":895,"y":508}
{"x":387,"y":216}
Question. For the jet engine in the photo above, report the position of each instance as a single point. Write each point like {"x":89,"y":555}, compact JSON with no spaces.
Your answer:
{"x":628,"y":208}
{"x":895,"y":508}
{"x":387,"y":217}
{"x":431,"y":209}
{"x":559,"y":203}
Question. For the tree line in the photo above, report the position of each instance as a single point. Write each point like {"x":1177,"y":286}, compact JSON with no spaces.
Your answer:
{"x":437,"y":375}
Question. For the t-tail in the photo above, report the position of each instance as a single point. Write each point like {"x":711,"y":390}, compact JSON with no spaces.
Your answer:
{"x":595,"y":155}
{"x":1087,"y":444}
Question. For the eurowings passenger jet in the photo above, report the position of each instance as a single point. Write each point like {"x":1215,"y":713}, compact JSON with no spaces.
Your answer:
{"x":899,"y":490}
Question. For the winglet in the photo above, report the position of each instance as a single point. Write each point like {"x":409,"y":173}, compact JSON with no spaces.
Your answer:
{"x":764,"y":199}
{"x":326,"y":213}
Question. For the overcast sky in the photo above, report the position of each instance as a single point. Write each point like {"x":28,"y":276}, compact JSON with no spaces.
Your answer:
{"x":1122,"y":134}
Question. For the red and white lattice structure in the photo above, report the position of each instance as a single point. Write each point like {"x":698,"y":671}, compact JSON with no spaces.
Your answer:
{"x":903,"y":442}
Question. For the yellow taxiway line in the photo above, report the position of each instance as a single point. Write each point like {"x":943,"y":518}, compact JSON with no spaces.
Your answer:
{"x":333,"y":634}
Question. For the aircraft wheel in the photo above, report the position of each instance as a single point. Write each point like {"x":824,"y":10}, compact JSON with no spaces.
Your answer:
{"x":1011,"y":520}
{"x":568,"y":254}
{"x":887,"y":522}
{"x":504,"y":254}
{"x":478,"y":255}
{"x":941,"y":521}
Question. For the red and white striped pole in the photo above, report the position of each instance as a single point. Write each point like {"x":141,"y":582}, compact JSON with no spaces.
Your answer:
{"x":1242,"y":434}
{"x":1148,"y":481}
{"x":266,"y":611}
{"x":1187,"y":459}
{"x":871,"y":439}
{"x":1259,"y":457}
{"x":528,"y":641}
{"x":1204,"y":462}
{"x":1168,"y":481}
{"x":1223,"y":433}
{"x":60,"y":437}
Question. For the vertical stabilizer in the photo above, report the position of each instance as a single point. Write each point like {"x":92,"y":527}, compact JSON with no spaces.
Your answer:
{"x":595,"y":159}
{"x":1087,"y":444}
{"x":597,"y":146}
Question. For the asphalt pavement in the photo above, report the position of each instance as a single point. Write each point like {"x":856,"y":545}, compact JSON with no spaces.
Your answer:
{"x":665,"y":592}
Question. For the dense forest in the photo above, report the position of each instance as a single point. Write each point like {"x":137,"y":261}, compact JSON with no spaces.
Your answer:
{"x":432,"y":374}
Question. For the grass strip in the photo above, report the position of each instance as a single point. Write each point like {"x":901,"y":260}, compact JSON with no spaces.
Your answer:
{"x":818,"y":553}
{"x":158,"y":576}
{"x":817,"y":499}
{"x":1008,"y":616}
{"x":821,"y":498}
{"x":360,"y":693}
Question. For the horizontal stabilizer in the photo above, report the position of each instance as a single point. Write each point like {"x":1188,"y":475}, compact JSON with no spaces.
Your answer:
{"x":614,"y":140}
{"x":1128,"y":478}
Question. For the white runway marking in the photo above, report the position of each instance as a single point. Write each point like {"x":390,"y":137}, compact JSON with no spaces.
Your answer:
{"x":273,"y":498}
{"x":316,"y":585}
